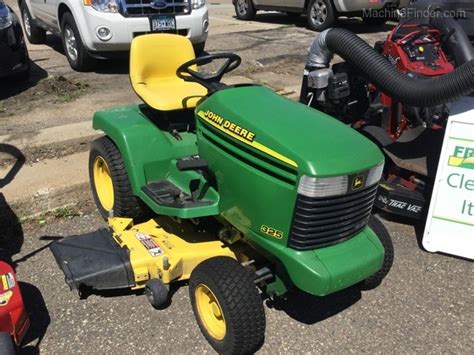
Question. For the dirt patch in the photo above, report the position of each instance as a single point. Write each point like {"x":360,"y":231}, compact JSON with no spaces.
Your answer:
{"x":54,"y":89}
{"x":57,"y":150}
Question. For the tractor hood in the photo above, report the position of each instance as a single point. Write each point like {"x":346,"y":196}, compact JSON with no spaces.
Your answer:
{"x":304,"y":139}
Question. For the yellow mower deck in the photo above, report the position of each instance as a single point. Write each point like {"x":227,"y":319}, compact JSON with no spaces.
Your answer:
{"x":159,"y":253}
{"x":128,"y":255}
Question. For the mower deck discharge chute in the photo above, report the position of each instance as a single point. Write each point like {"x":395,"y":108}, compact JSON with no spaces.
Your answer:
{"x":250,"y":192}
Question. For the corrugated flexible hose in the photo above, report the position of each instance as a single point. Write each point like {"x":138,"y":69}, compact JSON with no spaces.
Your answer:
{"x":379,"y":71}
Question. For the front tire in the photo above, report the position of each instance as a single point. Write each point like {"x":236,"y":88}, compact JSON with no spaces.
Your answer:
{"x":157,"y":293}
{"x":109,"y":181}
{"x":35,"y":34}
{"x":245,"y":10}
{"x":76,"y":52}
{"x":227,"y":306}
{"x":321,"y":14}
{"x":376,"y":279}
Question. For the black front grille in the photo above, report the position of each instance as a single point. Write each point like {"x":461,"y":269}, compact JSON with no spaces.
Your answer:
{"x":182,"y":32}
{"x":319,"y":222}
{"x":131,"y":8}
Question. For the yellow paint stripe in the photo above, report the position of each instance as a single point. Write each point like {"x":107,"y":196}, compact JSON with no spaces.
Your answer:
{"x":4,"y":282}
{"x":253,"y":144}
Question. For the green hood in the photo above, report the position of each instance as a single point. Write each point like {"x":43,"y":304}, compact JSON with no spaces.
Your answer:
{"x":308,"y":140}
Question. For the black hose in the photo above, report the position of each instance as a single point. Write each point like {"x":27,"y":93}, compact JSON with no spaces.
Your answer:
{"x":457,"y":43}
{"x":401,"y":87}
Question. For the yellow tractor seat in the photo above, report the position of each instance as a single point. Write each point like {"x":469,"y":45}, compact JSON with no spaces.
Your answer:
{"x":154,"y":59}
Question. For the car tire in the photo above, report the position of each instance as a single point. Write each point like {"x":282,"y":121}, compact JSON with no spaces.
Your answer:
{"x":111,"y":188}
{"x":199,"y":48}
{"x":321,"y":14}
{"x":74,"y":49}
{"x":6,"y":344}
{"x":227,"y":306}
{"x":245,"y":10}
{"x":376,"y":279}
{"x":35,"y":34}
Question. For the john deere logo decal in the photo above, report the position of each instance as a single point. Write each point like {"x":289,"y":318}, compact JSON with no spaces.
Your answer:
{"x":240,"y":133}
{"x":357,"y":182}
{"x":463,"y":157}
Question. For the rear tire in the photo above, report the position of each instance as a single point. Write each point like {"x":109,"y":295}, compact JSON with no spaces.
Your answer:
{"x":109,"y":182}
{"x":227,"y":306}
{"x":74,"y":49}
{"x":35,"y":34}
{"x":6,"y":344}
{"x":245,"y":10}
{"x":376,"y":279}
{"x":321,"y":14}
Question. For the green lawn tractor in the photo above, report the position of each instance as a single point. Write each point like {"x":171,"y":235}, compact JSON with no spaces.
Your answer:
{"x":238,"y":191}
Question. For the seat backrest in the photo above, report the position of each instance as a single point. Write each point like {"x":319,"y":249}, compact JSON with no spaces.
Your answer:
{"x":158,"y":56}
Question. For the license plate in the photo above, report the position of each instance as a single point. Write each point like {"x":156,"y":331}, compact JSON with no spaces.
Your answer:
{"x":162,"y":23}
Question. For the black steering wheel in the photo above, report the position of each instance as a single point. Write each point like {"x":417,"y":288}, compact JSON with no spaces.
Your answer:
{"x":210,"y":81}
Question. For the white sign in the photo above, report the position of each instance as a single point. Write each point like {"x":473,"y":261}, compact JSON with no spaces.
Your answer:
{"x":450,"y":223}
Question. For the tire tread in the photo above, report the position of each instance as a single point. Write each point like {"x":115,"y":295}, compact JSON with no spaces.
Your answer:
{"x":379,"y":229}
{"x":234,"y":287}
{"x":126,"y":204}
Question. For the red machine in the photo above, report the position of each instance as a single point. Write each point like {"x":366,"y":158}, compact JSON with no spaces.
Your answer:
{"x":397,"y":94}
{"x":415,"y":50}
{"x":14,"y":322}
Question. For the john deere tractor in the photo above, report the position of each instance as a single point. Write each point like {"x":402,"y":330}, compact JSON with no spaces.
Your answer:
{"x":241,"y":192}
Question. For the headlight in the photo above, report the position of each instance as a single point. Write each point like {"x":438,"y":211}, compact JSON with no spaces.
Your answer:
{"x":103,"y":5}
{"x":197,"y":4}
{"x":375,"y":174}
{"x":339,"y":185}
{"x":322,"y":187}
{"x":6,"y":19}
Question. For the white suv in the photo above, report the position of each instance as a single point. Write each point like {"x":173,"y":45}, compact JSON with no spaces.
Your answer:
{"x":100,"y":28}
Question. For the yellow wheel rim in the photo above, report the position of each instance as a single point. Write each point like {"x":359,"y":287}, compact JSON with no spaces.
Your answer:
{"x":103,"y":183}
{"x":210,"y":312}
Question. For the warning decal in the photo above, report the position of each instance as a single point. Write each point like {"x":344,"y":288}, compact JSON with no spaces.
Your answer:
{"x":153,"y":248}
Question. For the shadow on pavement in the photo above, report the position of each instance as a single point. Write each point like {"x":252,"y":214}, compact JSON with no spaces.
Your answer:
{"x":39,"y":318}
{"x":118,"y":64}
{"x":11,"y":242}
{"x":10,"y":87}
{"x":11,"y":237}
{"x":309,"y":309}
{"x":418,"y":225}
